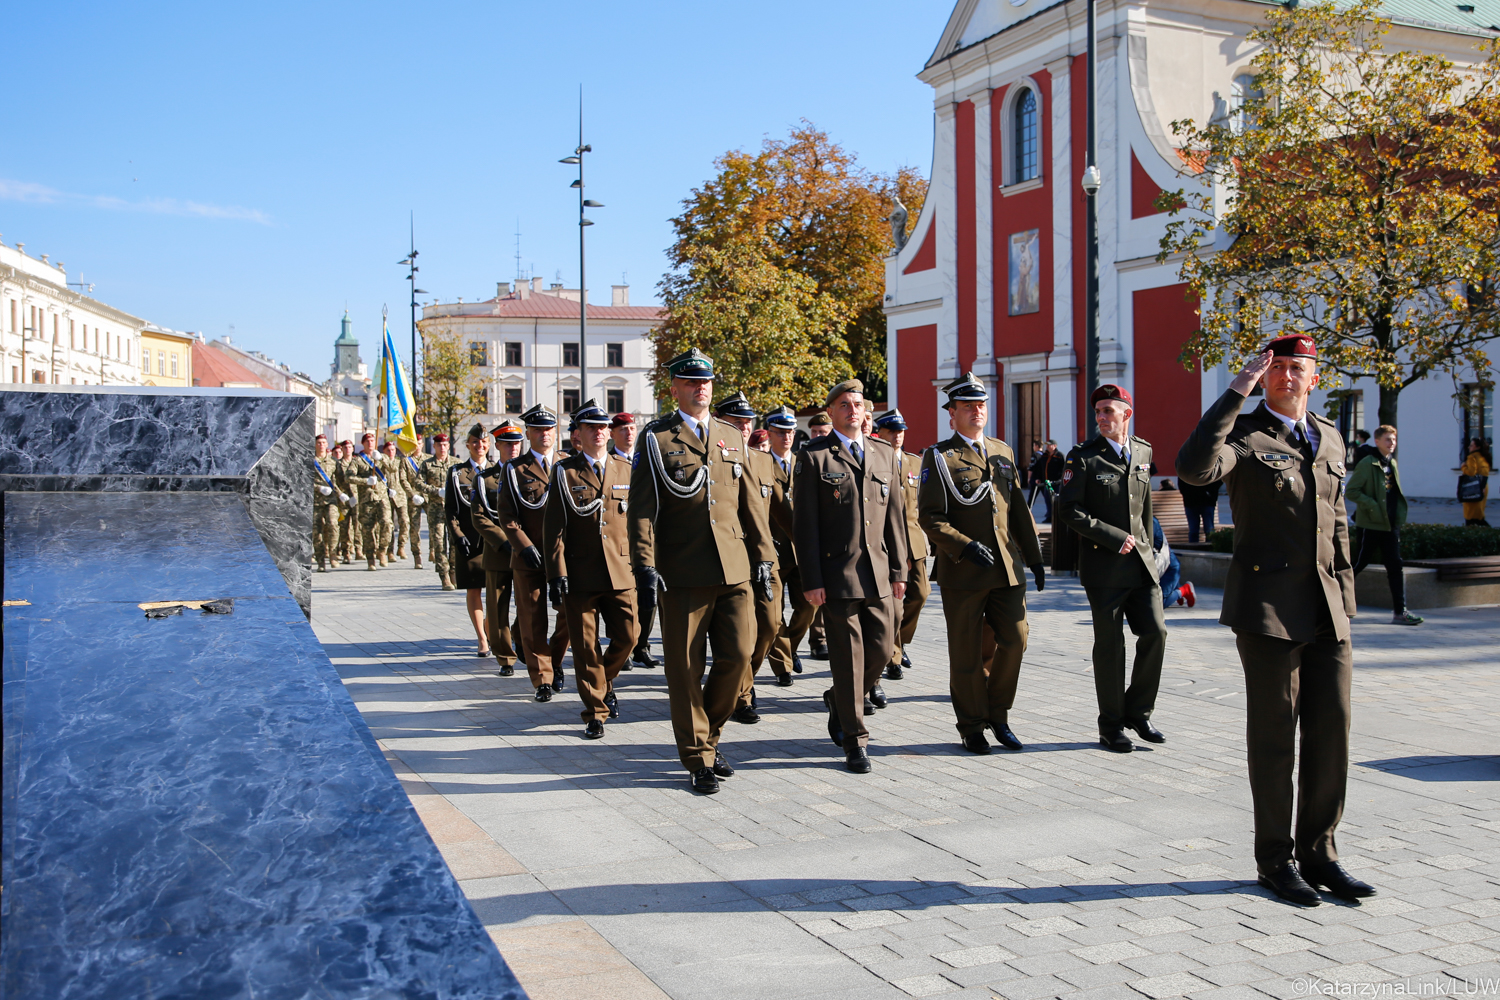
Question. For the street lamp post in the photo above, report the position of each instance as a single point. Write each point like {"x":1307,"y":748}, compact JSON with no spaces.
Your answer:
{"x":583,"y":285}
{"x":410,"y":262}
{"x":1091,"y":182}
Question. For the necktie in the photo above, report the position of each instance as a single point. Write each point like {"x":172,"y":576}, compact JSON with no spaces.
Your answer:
{"x":857,"y":452}
{"x":543,"y":463}
{"x":1125,"y":457}
{"x":702,"y":433}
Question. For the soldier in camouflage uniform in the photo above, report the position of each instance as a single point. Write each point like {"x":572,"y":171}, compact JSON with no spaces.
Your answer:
{"x":369,"y":476}
{"x":432,"y":475}
{"x":348,"y":510}
{"x":325,"y":506}
{"x":416,"y":500}
{"x":396,"y":491}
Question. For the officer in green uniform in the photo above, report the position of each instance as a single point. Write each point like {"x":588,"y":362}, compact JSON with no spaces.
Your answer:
{"x":396,"y":494}
{"x":325,"y":506}
{"x":432,"y":479}
{"x":374,"y":503}
{"x":1288,"y":598}
{"x":891,"y":426}
{"x":1106,"y":498}
{"x":781,"y":429}
{"x":697,"y":533}
{"x":972,"y":504}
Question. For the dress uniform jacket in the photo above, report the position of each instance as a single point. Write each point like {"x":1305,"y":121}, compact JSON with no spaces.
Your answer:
{"x":523,"y":497}
{"x":772,"y":486}
{"x":911,"y":482}
{"x":918,"y":589}
{"x":589,"y":547}
{"x":458,"y":499}
{"x":1001,"y":520}
{"x":1105,"y":502}
{"x":484,"y":515}
{"x":523,"y":494}
{"x":703,"y":544}
{"x":1291,"y":531}
{"x":851,"y":521}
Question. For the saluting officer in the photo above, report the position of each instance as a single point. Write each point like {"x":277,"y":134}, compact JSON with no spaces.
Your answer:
{"x":499,"y":578}
{"x":973,"y":508}
{"x":696,"y":531}
{"x":1288,"y":598}
{"x":891,"y":426}
{"x":781,"y":432}
{"x":587,"y":544}
{"x":771,"y":495}
{"x":432,"y":480}
{"x":850,"y":535}
{"x":523,"y":496}
{"x":1106,"y":498}
{"x":468,"y":544}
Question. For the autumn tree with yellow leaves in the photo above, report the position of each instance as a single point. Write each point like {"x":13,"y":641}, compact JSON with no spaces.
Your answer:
{"x":778,"y":269}
{"x":1353,"y":197}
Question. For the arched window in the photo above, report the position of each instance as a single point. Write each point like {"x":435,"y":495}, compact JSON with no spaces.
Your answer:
{"x":1242,"y":91}
{"x":1024,"y":132}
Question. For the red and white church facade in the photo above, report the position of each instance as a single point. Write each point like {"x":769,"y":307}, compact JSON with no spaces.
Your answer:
{"x":992,"y":277}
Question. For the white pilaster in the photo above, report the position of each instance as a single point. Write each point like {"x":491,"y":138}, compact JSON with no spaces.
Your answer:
{"x":1062,"y":361}
{"x":984,"y":251}
{"x":944,"y":190}
{"x":1114,"y":101}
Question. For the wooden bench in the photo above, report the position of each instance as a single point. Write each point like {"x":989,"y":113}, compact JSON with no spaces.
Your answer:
{"x":1167,"y":506}
{"x":1461,"y":567}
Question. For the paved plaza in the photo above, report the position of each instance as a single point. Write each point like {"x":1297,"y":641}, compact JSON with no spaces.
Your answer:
{"x":1061,"y":871}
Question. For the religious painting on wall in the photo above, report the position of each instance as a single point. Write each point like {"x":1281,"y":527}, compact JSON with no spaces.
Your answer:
{"x":1025,"y":273}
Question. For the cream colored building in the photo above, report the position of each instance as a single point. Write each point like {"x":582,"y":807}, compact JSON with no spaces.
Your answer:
{"x":52,"y":333}
{"x":166,"y":356}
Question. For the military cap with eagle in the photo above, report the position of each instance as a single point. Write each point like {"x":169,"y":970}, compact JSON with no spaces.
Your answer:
{"x":848,"y":385}
{"x":539,"y":416}
{"x":891,"y":420}
{"x":508,"y":430}
{"x":1111,"y":391}
{"x":591,"y":413}
{"x":965,"y":389}
{"x":1293,"y":345}
{"x":691,"y":363}
{"x":782,"y":419}
{"x":735,"y":406}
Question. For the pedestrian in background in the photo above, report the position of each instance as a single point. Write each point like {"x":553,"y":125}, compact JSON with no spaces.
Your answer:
{"x":1046,"y":474}
{"x":1200,"y":503}
{"x":1379,"y":512}
{"x":1476,"y":463}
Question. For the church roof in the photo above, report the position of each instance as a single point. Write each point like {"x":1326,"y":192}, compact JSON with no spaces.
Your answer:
{"x":346,"y":336}
{"x":540,"y":305}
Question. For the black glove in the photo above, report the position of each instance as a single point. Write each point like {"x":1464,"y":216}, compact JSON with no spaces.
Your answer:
{"x":1040,"y":572}
{"x":648,"y":579}
{"x":760,"y":575}
{"x":979,"y":554}
{"x":557,"y":589}
{"x":466,"y":547}
{"x":532,"y":557}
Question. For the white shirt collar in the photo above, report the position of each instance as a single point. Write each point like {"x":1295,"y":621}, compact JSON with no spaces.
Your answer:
{"x":850,"y":442}
{"x":1117,"y":446}
{"x":692,"y":422}
{"x":544,"y":460}
{"x":1291,"y":422}
{"x":972,"y":442}
{"x":786,"y":463}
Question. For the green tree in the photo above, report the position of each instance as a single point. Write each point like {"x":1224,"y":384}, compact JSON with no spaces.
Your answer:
{"x":1354,"y":195}
{"x":803,"y":206}
{"x":451,"y":383}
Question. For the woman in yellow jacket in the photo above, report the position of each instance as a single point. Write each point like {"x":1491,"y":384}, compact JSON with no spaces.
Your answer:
{"x":1379,"y":511}
{"x":1475,"y":464}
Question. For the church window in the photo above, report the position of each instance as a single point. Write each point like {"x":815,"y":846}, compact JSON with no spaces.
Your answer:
{"x":1024,"y":137}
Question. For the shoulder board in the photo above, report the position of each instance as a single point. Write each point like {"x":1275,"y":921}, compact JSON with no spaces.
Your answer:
{"x":881,"y":441}
{"x":912,"y":455}
{"x":660,"y":424}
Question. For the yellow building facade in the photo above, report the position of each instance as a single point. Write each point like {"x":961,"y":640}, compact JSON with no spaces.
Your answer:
{"x":166,"y":357}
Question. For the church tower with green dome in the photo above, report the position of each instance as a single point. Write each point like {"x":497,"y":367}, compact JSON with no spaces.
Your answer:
{"x":346,"y":359}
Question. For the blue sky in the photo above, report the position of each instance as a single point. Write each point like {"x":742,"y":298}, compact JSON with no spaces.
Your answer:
{"x":209,"y":165}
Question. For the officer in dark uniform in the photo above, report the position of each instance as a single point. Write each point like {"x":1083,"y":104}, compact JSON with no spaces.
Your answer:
{"x":781,"y":426}
{"x":891,"y":426}
{"x":1106,"y":498}
{"x":499,"y":578}
{"x":1288,"y":598}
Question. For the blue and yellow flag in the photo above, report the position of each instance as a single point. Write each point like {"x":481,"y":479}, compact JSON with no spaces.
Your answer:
{"x":399,"y":421}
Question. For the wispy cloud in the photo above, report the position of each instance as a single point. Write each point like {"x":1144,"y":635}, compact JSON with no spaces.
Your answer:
{"x":39,"y":194}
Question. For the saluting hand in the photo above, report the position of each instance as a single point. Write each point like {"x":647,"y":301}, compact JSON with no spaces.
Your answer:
{"x":1245,"y":381}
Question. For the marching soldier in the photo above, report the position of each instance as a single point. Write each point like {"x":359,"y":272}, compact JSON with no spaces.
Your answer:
{"x":587,"y":545}
{"x":432,"y":480}
{"x":327,"y":498}
{"x":1289,"y":598}
{"x":396,"y":492}
{"x":781,"y":432}
{"x":374,"y":503}
{"x":696,"y":531}
{"x":777,"y":508}
{"x":1106,"y":498}
{"x":468,"y":544}
{"x":891,"y":426}
{"x":973,"y":508}
{"x":850,"y":534}
{"x":523,"y":496}
{"x":349,"y":515}
{"x":416,"y":500}
{"x":499,"y":578}
{"x":622,"y":433}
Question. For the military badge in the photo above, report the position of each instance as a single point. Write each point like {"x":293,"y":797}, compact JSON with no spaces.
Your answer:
{"x":1067,"y":476}
{"x":679,"y":475}
{"x":885,"y":490}
{"x":765,"y":491}
{"x":924,"y":474}
{"x":635,"y":460}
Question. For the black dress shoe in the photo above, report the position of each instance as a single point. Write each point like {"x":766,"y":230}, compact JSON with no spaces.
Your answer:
{"x":857,"y":760}
{"x":544,"y":693}
{"x":644,"y":659}
{"x":835,"y":730}
{"x":818,"y":651}
{"x":905,"y":661}
{"x":878,"y":697}
{"x":594,"y":730}
{"x":746,"y":714}
{"x":1147,"y":731}
{"x":796,"y":664}
{"x":1331,"y":875}
{"x":722,"y":767}
{"x":614,"y":705}
{"x":1287,"y":883}
{"x":626,"y":666}
{"x":704,"y":782}
{"x":869,"y":706}
{"x":1116,"y":741}
{"x":559,"y":679}
{"x":893,"y":672}
{"x":1005,"y":737}
{"x":976,"y":743}
{"x":509,"y":671}
{"x":784,"y":680}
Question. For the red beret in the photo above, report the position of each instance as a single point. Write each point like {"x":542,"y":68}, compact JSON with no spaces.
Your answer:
{"x":1293,"y":345}
{"x":440,"y":437}
{"x":621,"y":420}
{"x":1107,"y":391}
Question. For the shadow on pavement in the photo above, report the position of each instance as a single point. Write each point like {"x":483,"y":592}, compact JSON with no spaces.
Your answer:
{"x":1441,"y":768}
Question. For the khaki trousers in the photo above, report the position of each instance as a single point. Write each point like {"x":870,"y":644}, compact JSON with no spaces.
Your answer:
{"x":497,"y":589}
{"x":439,"y":544}
{"x":691,"y":618}
{"x":325,"y":533}
{"x":796,"y":626}
{"x":1112,"y":608}
{"x":400,"y":528}
{"x":767,"y":631}
{"x":414,"y":521}
{"x":375,"y":527}
{"x":531,"y":609}
{"x":594,"y":676}
{"x":860,"y":634}
{"x":1291,"y":685}
{"x":984,"y":689}
{"x":918,"y":589}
